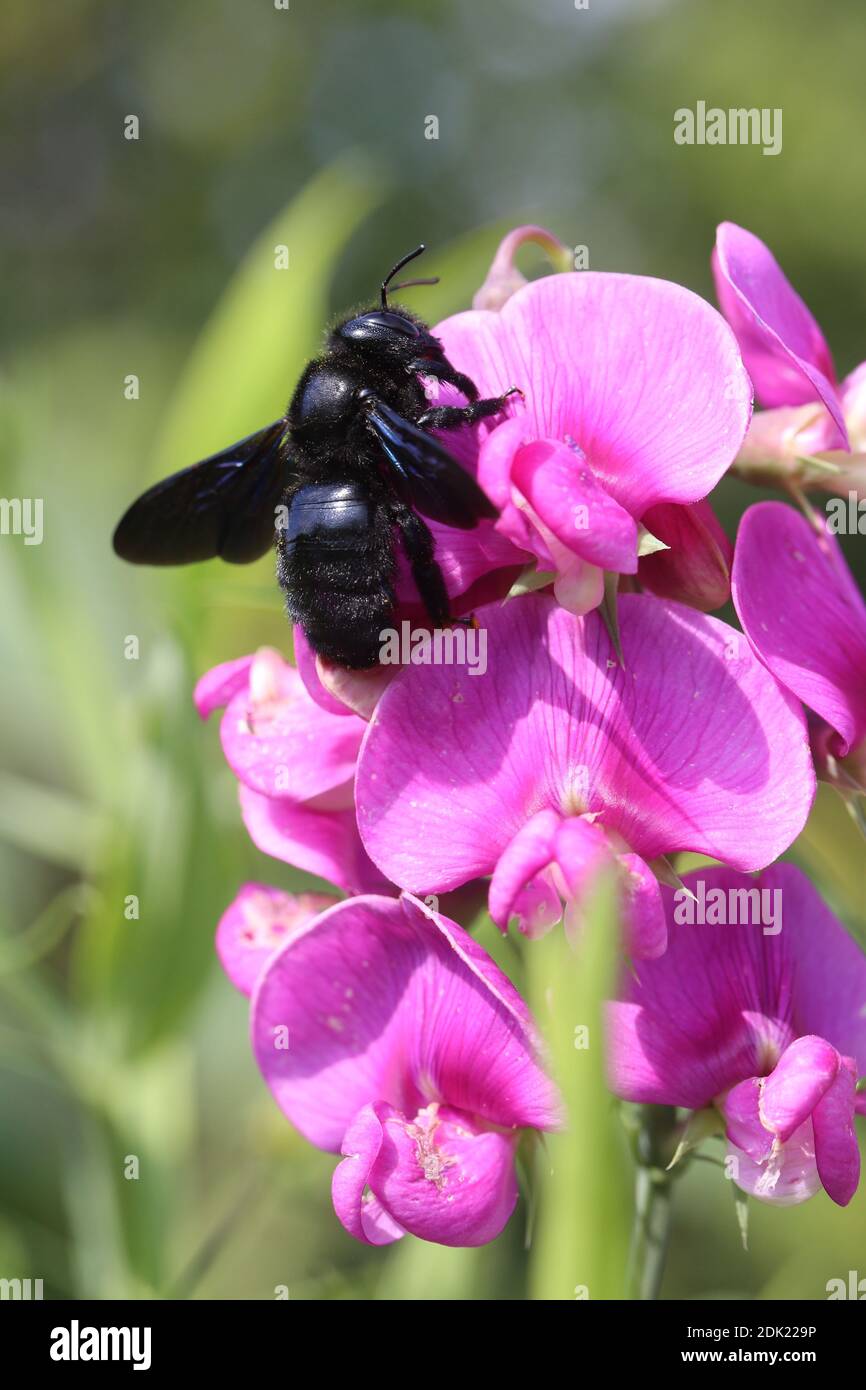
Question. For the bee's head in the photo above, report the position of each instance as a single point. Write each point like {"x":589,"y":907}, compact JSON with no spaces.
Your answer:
{"x":387,"y":328}
{"x":391,"y":332}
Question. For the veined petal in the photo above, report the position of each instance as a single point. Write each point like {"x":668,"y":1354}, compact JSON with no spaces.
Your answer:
{"x":646,"y":924}
{"x":444,"y":1177}
{"x":741,"y":1110}
{"x":759,"y":991}
{"x":279,"y":742}
{"x":217,"y":686}
{"x":788,"y":1176}
{"x":258,"y":923}
{"x":362,"y":1214}
{"x":784,"y":349}
{"x":653,"y":390}
{"x":385,"y":1000}
{"x":715,"y":1009}
{"x":307,"y":666}
{"x":574,"y":506}
{"x":529,"y":852}
{"x":837,"y":1152}
{"x":692,"y":746}
{"x":696,"y":568}
{"x":829,"y":984}
{"x":325,"y":843}
{"x":804,"y":1072}
{"x":803,"y":614}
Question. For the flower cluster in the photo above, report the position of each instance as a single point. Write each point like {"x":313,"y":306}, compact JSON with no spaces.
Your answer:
{"x":616,"y":724}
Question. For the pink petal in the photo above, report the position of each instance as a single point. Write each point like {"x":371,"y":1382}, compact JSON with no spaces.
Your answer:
{"x":537,"y":907}
{"x":799,"y":1079}
{"x":782,"y":345}
{"x":728,"y":998}
{"x":325,"y":843}
{"x":217,"y":686}
{"x":696,"y":569}
{"x":830,"y":980}
{"x":685,"y":749}
{"x":836,"y":1149}
{"x":653,"y":390}
{"x":384,"y":1000}
{"x":582,"y":850}
{"x":709,"y":1013}
{"x":357,"y":691}
{"x":444,"y":1177}
{"x":258,"y":923}
{"x":307,"y":665}
{"x":467,"y":560}
{"x":529,"y":852}
{"x":854,"y":404}
{"x":360,"y":1212}
{"x":787,"y":1177}
{"x":643,"y":911}
{"x":278,"y":742}
{"x":803,"y":615}
{"x":778,"y":437}
{"x":741,"y":1109}
{"x":573,"y":505}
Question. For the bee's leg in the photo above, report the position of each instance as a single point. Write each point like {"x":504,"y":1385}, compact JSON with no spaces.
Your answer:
{"x":446,"y":417}
{"x":420,"y":552}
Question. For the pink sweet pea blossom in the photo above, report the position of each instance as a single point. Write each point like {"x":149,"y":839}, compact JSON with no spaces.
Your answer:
{"x":635,"y":399}
{"x":295,"y":765}
{"x":388,"y":1035}
{"x":766,"y":1025}
{"x":806,"y":619}
{"x":258,"y":923}
{"x":557,"y":762}
{"x":810,"y":414}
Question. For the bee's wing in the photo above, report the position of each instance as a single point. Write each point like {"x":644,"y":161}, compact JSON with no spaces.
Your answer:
{"x":426,"y":475}
{"x":223,"y":506}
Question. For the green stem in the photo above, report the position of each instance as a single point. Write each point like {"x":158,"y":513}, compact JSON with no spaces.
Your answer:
{"x":655,"y":1140}
{"x":650,"y":1234}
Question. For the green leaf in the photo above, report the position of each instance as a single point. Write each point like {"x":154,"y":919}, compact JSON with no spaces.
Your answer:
{"x":529,"y":581}
{"x":701,"y":1125}
{"x":269,"y":321}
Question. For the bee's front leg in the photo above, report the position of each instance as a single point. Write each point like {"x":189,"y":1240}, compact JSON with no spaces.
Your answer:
{"x":448,"y":417}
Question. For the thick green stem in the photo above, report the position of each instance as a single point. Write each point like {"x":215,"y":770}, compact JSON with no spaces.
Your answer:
{"x":650,"y":1235}
{"x":655,"y":1143}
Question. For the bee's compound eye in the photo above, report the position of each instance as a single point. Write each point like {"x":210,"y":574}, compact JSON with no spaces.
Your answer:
{"x":377,"y":327}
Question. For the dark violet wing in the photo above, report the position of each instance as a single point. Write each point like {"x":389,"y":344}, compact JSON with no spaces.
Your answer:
{"x":426,"y":475}
{"x":223,"y":506}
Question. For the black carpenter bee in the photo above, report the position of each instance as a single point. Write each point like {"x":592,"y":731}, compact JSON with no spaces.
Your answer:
{"x":347,"y":470}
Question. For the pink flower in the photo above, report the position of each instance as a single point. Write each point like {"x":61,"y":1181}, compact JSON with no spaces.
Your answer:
{"x":295,"y":765}
{"x":558,"y":762}
{"x":766,"y":1025}
{"x":790,"y":364}
{"x":386,"y":1034}
{"x":806,"y":619}
{"x":259,"y":922}
{"x":635,"y":399}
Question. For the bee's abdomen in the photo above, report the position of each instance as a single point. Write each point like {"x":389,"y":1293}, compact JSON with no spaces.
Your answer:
{"x":336,"y":565}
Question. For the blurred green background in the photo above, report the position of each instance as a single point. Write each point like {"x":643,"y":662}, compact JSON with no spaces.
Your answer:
{"x":154,"y":257}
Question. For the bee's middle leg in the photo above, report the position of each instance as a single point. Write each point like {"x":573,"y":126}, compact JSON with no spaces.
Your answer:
{"x":420,"y":552}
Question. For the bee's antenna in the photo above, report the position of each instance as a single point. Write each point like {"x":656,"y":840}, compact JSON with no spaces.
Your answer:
{"x":399,"y":266}
{"x":407,"y":284}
